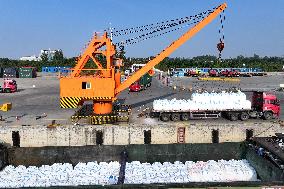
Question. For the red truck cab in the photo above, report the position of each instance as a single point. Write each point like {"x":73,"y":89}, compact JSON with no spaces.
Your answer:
{"x":236,"y":73}
{"x":225,"y":73}
{"x":230,"y":73}
{"x":213,"y":73}
{"x":193,"y":73}
{"x":10,"y":86}
{"x":135,"y":87}
{"x":266,"y":103}
{"x":141,"y":84}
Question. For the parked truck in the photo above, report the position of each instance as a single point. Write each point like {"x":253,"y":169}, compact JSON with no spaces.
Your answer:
{"x":263,"y":105}
{"x":193,"y":72}
{"x":9,"y":86}
{"x":143,"y":83}
{"x":213,"y":73}
{"x":230,"y":73}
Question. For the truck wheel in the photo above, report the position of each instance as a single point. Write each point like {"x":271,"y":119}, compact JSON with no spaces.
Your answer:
{"x":165,"y":117}
{"x":175,"y":117}
{"x":267,"y":115}
{"x":184,"y":117}
{"x":7,"y":90}
{"x":152,"y":114}
{"x":233,"y":117}
{"x":244,"y":116}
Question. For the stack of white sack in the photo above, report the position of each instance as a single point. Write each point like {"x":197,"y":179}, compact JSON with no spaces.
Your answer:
{"x":210,"y":171}
{"x":103,"y":173}
{"x":59,"y":174}
{"x":205,"y":101}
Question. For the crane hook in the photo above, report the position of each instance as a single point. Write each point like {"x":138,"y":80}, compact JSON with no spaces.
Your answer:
{"x":220,"y":46}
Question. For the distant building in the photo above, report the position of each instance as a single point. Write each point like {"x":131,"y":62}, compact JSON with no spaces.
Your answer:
{"x":50,"y":55}
{"x":30,"y":58}
{"x":135,"y":67}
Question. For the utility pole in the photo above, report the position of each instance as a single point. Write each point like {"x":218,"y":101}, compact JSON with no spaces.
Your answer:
{"x":110,"y":28}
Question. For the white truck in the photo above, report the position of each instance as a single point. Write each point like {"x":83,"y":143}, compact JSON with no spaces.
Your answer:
{"x":231,"y":105}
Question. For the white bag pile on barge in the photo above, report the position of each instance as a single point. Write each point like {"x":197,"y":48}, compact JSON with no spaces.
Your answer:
{"x":178,"y":172}
{"x":103,"y":173}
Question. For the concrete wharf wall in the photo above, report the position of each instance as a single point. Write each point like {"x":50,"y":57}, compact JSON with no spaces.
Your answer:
{"x":124,"y":134}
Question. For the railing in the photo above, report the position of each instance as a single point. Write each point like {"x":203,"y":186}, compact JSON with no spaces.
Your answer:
{"x":96,"y":71}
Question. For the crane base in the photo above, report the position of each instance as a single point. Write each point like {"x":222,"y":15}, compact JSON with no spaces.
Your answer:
{"x":120,"y":114}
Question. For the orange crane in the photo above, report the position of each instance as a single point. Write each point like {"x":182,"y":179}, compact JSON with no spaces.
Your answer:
{"x":103,"y":87}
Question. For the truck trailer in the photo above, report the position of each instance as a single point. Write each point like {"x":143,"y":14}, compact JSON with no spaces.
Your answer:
{"x":264,"y":105}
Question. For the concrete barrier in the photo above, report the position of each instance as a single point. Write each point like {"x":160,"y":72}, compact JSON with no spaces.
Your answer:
{"x":125,"y":134}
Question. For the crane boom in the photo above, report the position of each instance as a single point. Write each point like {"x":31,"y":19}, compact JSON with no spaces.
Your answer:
{"x":171,"y":48}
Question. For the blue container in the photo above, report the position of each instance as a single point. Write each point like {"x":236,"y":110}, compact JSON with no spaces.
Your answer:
{"x":65,"y":69}
{"x":56,"y":69}
{"x":44,"y":69}
{"x":205,"y":70}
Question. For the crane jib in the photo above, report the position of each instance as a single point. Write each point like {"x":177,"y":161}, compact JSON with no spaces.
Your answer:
{"x":170,"y":49}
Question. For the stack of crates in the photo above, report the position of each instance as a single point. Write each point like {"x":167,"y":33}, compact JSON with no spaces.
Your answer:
{"x":50,"y":69}
{"x":56,"y":69}
{"x":27,"y":72}
{"x":66,"y":69}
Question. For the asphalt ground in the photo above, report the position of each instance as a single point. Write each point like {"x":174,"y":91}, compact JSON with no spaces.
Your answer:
{"x":40,"y":96}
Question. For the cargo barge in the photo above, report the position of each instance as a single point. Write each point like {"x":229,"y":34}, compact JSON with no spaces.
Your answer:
{"x":267,"y":172}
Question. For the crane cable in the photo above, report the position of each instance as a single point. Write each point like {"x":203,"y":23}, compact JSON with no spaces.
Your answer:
{"x":153,"y":26}
{"x":160,"y":28}
{"x":150,"y":35}
{"x":146,"y":36}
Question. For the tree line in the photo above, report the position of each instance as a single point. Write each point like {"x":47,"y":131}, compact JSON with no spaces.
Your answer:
{"x":268,"y":64}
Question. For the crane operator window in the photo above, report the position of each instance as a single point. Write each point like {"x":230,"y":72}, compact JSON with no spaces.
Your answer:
{"x":86,"y":85}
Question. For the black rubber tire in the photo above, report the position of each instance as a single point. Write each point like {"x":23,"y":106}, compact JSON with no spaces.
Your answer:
{"x":244,"y":116}
{"x":184,"y":117}
{"x":233,"y":116}
{"x":165,"y":117}
{"x":152,"y":115}
{"x":267,"y":115}
{"x":175,"y":117}
{"x":7,"y":90}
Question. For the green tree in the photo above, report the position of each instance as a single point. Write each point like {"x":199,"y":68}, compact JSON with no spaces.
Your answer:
{"x":58,"y":58}
{"x":44,"y":58}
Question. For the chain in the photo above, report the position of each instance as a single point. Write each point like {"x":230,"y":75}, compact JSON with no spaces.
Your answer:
{"x":221,"y":43}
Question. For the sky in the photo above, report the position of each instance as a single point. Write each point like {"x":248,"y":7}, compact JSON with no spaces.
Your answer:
{"x":251,"y":26}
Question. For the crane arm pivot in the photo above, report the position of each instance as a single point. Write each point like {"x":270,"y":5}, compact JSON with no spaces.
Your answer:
{"x":170,"y":49}
{"x":92,"y":47}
